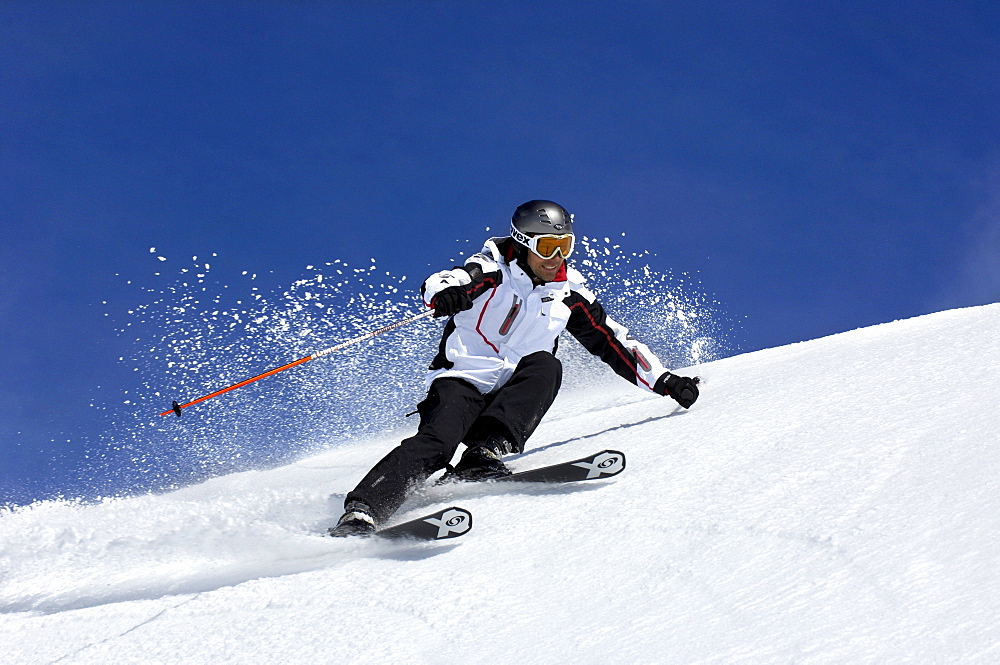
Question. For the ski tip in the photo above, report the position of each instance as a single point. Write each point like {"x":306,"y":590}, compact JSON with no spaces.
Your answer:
{"x":611,"y":458}
{"x":450,"y":522}
{"x":442,"y":525}
{"x":610,"y":462}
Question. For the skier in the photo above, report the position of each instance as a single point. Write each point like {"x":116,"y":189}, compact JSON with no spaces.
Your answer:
{"x":496,"y":374}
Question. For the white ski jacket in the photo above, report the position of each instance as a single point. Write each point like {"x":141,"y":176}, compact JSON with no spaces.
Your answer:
{"x":512,"y":317}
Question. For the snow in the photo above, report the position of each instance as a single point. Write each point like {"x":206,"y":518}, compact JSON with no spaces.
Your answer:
{"x":834,"y":501}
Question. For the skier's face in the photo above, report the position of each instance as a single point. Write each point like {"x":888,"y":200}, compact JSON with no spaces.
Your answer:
{"x":545,"y":269}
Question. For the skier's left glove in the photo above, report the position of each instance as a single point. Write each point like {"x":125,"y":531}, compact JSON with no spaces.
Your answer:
{"x":683,"y":389}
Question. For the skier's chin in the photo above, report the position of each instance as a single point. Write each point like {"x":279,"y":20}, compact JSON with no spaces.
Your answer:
{"x":549,"y":274}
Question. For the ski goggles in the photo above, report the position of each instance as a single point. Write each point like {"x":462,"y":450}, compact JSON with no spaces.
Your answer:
{"x":546,"y":245}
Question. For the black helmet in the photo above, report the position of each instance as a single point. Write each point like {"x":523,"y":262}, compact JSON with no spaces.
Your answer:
{"x":537,"y":217}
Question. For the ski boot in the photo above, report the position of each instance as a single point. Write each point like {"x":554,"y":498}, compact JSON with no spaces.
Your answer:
{"x":357,"y":520}
{"x":482,"y":461}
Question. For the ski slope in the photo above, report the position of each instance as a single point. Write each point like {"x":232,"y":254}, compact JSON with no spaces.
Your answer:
{"x":834,"y":501}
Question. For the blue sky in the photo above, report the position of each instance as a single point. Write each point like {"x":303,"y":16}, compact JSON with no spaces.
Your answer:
{"x":818,"y":166}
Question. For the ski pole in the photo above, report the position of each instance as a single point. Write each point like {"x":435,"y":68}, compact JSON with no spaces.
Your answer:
{"x":176,"y":408}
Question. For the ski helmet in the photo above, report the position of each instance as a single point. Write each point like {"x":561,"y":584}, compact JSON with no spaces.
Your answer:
{"x":541,"y":217}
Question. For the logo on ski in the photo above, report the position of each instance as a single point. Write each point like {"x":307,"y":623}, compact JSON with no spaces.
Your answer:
{"x":452,"y":522}
{"x":605,"y":464}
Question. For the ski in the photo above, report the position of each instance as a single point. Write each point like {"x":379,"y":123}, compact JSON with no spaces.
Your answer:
{"x":448,"y":523}
{"x":604,"y":464}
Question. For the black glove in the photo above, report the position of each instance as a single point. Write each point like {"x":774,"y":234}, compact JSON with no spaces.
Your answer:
{"x":451,"y":301}
{"x":681,"y":388}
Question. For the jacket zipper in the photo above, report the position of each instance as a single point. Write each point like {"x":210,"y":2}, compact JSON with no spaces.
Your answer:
{"x":511,"y":315}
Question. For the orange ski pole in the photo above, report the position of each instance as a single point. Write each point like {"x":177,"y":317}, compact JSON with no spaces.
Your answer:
{"x":176,"y":408}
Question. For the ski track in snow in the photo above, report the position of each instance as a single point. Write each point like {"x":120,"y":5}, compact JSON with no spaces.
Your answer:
{"x":832,"y":501}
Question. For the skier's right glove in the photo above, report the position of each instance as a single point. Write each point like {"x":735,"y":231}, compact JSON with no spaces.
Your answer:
{"x":451,"y":301}
{"x":683,"y":389}
{"x":445,"y":291}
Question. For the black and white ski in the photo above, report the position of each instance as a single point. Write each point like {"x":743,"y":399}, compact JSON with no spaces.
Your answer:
{"x":453,"y":522}
{"x":448,"y":523}
{"x":604,"y":464}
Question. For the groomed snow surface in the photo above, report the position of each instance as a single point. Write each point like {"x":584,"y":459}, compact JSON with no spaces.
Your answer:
{"x":834,"y":501}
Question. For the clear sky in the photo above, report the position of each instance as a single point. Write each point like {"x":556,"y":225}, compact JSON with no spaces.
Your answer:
{"x":818,"y":166}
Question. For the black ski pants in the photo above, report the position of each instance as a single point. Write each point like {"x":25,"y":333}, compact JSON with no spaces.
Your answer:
{"x":455,"y":411}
